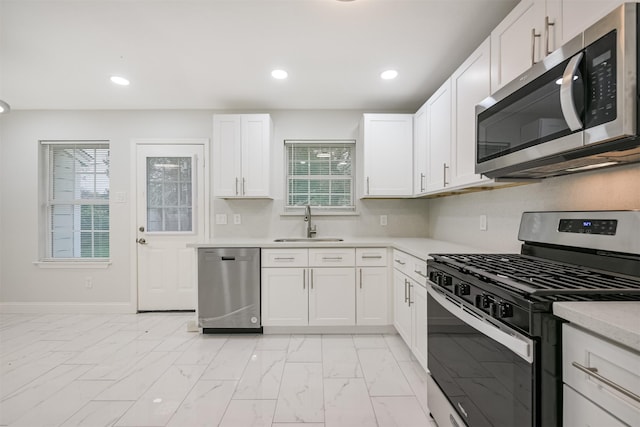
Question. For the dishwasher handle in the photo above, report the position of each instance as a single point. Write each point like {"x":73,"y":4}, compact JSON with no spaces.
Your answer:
{"x":227,"y":258}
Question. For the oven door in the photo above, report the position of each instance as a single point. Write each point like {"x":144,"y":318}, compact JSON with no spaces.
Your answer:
{"x":487,"y":374}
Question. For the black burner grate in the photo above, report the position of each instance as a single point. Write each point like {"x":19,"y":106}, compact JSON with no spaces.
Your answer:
{"x":537,"y":276}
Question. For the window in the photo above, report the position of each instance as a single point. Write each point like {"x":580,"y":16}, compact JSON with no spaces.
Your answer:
{"x":320,"y":174}
{"x":77,"y":199}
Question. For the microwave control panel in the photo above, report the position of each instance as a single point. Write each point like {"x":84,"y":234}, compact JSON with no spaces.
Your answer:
{"x":600,"y":79}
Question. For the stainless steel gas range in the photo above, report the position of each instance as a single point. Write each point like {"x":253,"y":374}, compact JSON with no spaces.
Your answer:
{"x":494,"y":346}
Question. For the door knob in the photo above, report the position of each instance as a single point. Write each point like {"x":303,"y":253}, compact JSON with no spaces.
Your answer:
{"x":141,"y":241}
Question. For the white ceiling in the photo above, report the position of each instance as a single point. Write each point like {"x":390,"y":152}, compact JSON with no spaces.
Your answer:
{"x":218,"y":54}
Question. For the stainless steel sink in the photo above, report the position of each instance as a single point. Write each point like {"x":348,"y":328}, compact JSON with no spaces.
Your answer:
{"x":312,"y":239}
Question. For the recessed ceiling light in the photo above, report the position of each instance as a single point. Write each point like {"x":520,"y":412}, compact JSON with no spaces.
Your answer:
{"x":389,"y":74}
{"x":279,"y":74}
{"x":4,"y":107}
{"x":119,"y":80}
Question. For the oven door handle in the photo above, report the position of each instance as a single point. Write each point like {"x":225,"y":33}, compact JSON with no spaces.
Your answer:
{"x":566,"y":94}
{"x":520,"y":345}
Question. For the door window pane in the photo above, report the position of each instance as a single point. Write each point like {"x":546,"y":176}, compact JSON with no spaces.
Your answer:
{"x":169,"y":194}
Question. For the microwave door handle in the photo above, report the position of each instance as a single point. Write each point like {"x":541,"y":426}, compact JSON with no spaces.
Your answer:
{"x":566,"y":94}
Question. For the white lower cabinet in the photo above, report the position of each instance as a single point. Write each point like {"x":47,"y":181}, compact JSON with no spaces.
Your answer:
{"x":323,"y":287}
{"x":601,"y":381}
{"x":410,"y":303}
{"x":332,"y":297}
{"x":284,"y":297}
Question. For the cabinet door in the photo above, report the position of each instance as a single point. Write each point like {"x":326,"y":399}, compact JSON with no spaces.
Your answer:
{"x":332,"y":296}
{"x":574,"y":16}
{"x":439,"y":137}
{"x":516,"y":43}
{"x":227,"y":154}
{"x":371,"y":296}
{"x":420,"y":151}
{"x":256,"y":151}
{"x":388,"y":155}
{"x":470,"y":84}
{"x":418,"y":298}
{"x":284,"y":297}
{"x":401,"y":310}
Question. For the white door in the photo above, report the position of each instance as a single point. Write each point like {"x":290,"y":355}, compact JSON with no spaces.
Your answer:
{"x":170,"y":214}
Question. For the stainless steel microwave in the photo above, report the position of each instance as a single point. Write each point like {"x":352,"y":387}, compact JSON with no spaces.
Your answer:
{"x":576,"y":110}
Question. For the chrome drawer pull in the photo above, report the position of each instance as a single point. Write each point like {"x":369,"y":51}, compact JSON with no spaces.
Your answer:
{"x":371,"y":256}
{"x":419,"y":273}
{"x":399,"y":262}
{"x":332,"y":258}
{"x":593,"y":372}
{"x":289,"y":258}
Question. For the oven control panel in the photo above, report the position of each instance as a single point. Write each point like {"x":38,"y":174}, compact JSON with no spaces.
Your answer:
{"x":605,"y":227}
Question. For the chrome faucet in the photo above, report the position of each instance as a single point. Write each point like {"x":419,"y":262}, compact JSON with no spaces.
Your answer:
{"x":311,"y":229}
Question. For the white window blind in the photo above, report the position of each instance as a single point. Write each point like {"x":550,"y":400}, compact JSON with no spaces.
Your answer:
{"x":320,"y":174}
{"x":77,"y":211}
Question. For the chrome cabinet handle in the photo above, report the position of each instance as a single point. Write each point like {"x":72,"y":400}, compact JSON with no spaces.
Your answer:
{"x":236,"y":185}
{"x":399,"y":262}
{"x":368,"y":188}
{"x":371,"y":256}
{"x":533,"y":45}
{"x":288,"y":258}
{"x":304,"y":278}
{"x":360,"y":278}
{"x":405,"y":290}
{"x":422,"y":176}
{"x":593,"y":372}
{"x":311,"y":270}
{"x":409,"y":302}
{"x":547,"y":24}
{"x":332,"y":258}
{"x":444,"y":174}
{"x":566,"y":94}
{"x":243,"y":183}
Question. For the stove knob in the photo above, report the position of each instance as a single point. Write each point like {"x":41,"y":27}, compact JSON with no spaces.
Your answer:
{"x":482,"y":301}
{"x":505,"y":310}
{"x":461,"y":289}
{"x":447,"y":280}
{"x":432,"y":276}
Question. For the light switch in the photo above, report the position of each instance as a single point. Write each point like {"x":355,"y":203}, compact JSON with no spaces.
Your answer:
{"x":383,"y":220}
{"x":237,"y":219}
{"x":221,"y":219}
{"x":483,"y":223}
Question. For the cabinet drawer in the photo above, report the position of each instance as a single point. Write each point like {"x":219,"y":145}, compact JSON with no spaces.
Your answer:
{"x":332,"y":257}
{"x":401,"y":261}
{"x":371,"y":257}
{"x":578,"y":411}
{"x":599,"y":370}
{"x":285,"y":257}
{"x":418,"y":270}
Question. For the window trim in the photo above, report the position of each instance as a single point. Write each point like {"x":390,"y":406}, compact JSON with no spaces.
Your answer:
{"x":46,"y":259}
{"x":320,"y":210}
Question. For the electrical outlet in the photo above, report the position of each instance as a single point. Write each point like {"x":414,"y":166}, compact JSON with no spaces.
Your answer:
{"x":221,"y":219}
{"x":237,"y":219}
{"x":383,"y":220}
{"x":88,"y":282}
{"x":483,"y":222}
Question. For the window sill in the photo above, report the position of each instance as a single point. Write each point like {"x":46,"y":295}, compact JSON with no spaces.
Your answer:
{"x":72,"y":264}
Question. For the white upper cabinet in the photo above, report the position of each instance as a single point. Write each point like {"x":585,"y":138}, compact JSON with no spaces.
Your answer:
{"x":577,"y":15}
{"x":516,"y":43}
{"x":470,"y":84}
{"x":439,"y":138}
{"x":241,"y":155}
{"x":534,"y":29}
{"x":420,"y":163}
{"x":388,"y":155}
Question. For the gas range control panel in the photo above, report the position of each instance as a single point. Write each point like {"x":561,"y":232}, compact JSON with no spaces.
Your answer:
{"x":605,"y":227}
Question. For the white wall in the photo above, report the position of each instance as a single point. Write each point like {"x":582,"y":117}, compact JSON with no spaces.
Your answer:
{"x":457,"y":218}
{"x":25,"y":285}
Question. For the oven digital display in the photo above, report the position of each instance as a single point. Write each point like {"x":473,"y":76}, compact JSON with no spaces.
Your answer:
{"x":605,"y":227}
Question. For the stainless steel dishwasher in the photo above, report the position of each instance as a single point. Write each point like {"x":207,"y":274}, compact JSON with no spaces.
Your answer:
{"x":229,"y":290}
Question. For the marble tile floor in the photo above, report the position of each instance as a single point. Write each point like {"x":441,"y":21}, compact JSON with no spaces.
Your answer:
{"x":147,"y":370}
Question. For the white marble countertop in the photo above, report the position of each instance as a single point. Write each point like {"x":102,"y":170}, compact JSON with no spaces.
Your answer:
{"x":617,"y":321}
{"x":418,"y":247}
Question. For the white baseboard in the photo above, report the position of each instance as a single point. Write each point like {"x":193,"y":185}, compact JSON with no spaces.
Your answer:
{"x":383,"y":329}
{"x":67,"y":307}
